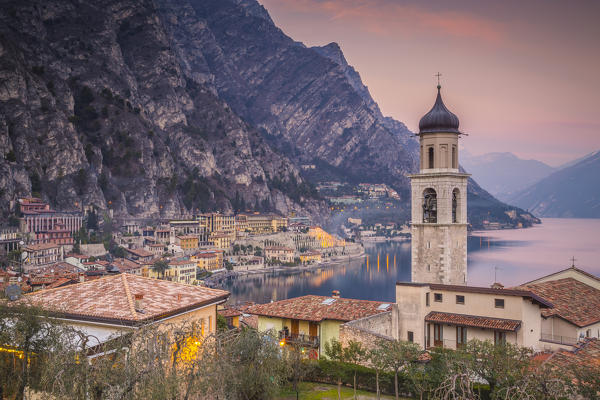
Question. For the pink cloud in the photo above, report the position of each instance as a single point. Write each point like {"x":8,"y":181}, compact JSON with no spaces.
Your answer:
{"x":384,"y":18}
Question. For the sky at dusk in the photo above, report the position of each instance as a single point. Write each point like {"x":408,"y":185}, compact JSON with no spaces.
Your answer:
{"x":523,"y":76}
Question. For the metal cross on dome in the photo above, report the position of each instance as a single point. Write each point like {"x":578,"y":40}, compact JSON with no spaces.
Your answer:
{"x":438,"y":77}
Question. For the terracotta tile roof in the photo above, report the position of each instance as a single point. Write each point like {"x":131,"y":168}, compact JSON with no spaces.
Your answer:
{"x":206,"y":255}
{"x":573,"y":300}
{"x":140,"y":252}
{"x":586,"y":353}
{"x":61,"y":282}
{"x":229,"y":312}
{"x":41,"y":246}
{"x":56,"y":269}
{"x":125,"y":265}
{"x":250,"y":321}
{"x":474,"y":321}
{"x":319,"y":308}
{"x":111,"y":299}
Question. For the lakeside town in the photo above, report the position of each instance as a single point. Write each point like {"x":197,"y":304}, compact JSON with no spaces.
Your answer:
{"x":196,"y":204}
{"x":52,"y":248}
{"x":441,"y":337}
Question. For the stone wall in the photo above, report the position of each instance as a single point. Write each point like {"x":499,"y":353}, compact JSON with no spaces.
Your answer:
{"x":96,"y":250}
{"x":368,"y":331}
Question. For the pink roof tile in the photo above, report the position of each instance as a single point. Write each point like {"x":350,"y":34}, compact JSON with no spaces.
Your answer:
{"x":319,"y":308}
{"x":111,"y":299}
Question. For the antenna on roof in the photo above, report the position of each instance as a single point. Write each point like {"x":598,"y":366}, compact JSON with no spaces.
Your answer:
{"x":496,"y":268}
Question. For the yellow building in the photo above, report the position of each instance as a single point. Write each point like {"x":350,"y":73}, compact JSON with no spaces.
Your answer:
{"x":208,"y":260}
{"x":181,"y":271}
{"x":311,"y":321}
{"x":326,"y":239}
{"x":257,"y":224}
{"x":187,"y":242}
{"x":310,"y":257}
{"x":216,"y":222}
{"x":222,"y":240}
{"x":231,"y":315}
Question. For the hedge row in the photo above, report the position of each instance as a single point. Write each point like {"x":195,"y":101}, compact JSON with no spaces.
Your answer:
{"x":327,"y":371}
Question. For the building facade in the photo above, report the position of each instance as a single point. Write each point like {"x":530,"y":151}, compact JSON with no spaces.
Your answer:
{"x":38,"y":255}
{"x":438,"y":315}
{"x":439,"y":202}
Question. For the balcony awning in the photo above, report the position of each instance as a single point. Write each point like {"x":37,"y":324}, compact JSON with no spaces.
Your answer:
{"x":499,"y":324}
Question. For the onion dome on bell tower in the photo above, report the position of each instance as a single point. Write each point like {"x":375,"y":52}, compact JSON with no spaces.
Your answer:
{"x":439,"y":118}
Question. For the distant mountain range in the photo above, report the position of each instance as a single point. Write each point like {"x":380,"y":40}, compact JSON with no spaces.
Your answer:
{"x":504,"y":174}
{"x":573,"y":191}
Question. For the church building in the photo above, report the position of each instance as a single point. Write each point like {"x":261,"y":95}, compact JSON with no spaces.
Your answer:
{"x":439,"y":202}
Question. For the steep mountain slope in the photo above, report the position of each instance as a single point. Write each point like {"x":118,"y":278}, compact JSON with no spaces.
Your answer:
{"x":161,"y":107}
{"x":308,"y":102}
{"x":504,"y":174}
{"x":570,"y":192}
{"x":97,"y":108}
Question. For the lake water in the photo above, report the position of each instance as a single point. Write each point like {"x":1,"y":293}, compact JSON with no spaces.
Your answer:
{"x":518,"y":255}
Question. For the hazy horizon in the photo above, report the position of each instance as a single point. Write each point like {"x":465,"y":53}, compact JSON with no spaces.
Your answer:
{"x":513,"y":72}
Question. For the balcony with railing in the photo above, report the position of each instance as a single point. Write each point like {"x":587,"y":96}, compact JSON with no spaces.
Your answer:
{"x":566,"y":340}
{"x":299,"y":339}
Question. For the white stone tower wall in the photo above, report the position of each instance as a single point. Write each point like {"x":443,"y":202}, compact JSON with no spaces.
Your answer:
{"x":439,"y":250}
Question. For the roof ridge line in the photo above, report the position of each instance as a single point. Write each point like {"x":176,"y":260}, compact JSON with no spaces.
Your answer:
{"x":128,"y":294}
{"x":78,"y":283}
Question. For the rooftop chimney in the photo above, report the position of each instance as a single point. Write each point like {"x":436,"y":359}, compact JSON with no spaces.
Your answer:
{"x":139,"y":302}
{"x":335,"y":294}
{"x":497,"y":285}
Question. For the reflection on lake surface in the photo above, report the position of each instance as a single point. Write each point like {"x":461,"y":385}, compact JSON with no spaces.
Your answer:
{"x":520,"y":255}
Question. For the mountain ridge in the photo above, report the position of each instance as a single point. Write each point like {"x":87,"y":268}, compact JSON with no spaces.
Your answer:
{"x":571,"y":192}
{"x":167,"y":107}
{"x":503,"y":173}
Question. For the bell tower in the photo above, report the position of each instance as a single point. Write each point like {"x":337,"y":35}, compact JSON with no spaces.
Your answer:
{"x":439,"y":202}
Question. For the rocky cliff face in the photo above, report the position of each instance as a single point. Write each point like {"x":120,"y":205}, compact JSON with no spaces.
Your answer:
{"x":98,"y":107}
{"x":162,"y":107}
{"x":308,"y":102}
